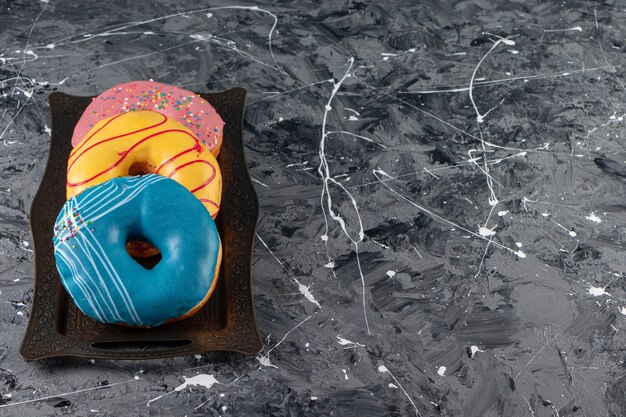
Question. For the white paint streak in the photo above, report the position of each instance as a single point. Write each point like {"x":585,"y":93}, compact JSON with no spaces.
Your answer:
{"x":384,"y":370}
{"x":65,"y":394}
{"x":326,"y":199}
{"x":264,"y":360}
{"x":575,"y":29}
{"x":259,"y":182}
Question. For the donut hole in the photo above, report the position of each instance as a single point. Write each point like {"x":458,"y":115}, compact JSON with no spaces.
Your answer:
{"x":143,"y":252}
{"x":141,"y":168}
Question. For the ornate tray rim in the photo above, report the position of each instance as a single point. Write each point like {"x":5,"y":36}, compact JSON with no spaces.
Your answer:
{"x":43,"y":338}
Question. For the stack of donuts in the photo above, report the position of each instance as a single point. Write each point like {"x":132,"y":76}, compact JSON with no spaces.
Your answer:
{"x":142,"y":181}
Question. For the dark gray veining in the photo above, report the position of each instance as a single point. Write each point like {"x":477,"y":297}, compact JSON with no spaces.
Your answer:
{"x":441,"y":188}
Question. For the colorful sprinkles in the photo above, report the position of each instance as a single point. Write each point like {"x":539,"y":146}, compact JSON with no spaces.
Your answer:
{"x":157,"y":99}
{"x":70,"y":225}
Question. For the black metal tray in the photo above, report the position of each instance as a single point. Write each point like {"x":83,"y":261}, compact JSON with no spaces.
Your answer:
{"x":227,"y":321}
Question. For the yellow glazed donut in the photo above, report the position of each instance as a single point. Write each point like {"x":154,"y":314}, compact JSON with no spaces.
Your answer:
{"x":145,"y":142}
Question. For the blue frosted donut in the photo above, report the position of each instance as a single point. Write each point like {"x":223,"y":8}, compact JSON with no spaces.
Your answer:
{"x":108,"y":285}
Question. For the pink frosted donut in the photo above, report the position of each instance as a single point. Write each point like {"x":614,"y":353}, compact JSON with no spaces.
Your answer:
{"x":176,"y":103}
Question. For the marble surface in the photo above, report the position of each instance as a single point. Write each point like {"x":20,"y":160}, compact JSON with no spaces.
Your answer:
{"x":441,"y":188}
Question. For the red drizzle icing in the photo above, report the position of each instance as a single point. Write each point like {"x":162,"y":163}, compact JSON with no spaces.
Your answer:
{"x":197,"y":147}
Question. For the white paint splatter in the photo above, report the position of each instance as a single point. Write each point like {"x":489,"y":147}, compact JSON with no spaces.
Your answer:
{"x":203,"y":380}
{"x":348,"y":343}
{"x":306,"y":292}
{"x":594,"y":218}
{"x":474,"y":349}
{"x":265,"y":361}
{"x":598,"y":291}
{"x":293,"y":165}
{"x":486,"y":232}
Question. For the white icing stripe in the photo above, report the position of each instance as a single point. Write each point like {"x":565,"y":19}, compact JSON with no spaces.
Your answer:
{"x":117,"y":281}
{"x":89,"y":290}
{"x":102,"y":282}
{"x":90,"y":285}
{"x":82,"y":289}
{"x":111,"y":189}
{"x":82,"y":286}
{"x":128,"y":198}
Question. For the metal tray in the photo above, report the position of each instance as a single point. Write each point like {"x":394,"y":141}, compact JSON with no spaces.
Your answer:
{"x":227,"y":321}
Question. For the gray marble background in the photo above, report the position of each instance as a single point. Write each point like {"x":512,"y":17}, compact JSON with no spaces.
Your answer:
{"x":441,"y":188}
